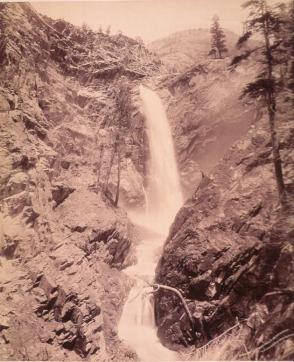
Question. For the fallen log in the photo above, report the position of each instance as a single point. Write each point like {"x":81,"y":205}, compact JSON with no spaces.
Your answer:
{"x":156,"y":287}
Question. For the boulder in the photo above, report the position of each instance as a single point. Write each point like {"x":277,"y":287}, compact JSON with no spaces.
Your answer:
{"x":60,"y":192}
{"x":4,"y":105}
{"x":17,"y":183}
{"x":32,"y":124}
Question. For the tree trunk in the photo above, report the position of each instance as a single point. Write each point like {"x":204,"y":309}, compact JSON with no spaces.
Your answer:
{"x":110,"y":165}
{"x":271,"y":107}
{"x":118,"y":176}
{"x":276,"y":155}
{"x":101,"y":153}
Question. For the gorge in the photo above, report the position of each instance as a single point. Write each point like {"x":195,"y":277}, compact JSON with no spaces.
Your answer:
{"x":120,"y":172}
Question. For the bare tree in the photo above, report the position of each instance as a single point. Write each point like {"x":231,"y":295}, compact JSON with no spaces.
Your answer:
{"x":114,"y":150}
{"x":118,"y":174}
{"x":99,"y":165}
{"x":124,"y":107}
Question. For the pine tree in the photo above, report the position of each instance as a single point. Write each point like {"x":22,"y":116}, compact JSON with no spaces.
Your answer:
{"x":218,"y":39}
{"x":265,"y":22}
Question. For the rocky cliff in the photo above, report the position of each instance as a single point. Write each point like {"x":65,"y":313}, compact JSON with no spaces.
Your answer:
{"x":63,"y":242}
{"x":230,"y":253}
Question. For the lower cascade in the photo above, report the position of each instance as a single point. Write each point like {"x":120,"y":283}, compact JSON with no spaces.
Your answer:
{"x":164,"y":198}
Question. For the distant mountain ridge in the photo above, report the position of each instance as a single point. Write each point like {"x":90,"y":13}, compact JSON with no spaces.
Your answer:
{"x":182,"y":49}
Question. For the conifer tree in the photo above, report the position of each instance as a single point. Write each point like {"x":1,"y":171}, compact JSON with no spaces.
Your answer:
{"x":218,"y":39}
{"x":265,"y":22}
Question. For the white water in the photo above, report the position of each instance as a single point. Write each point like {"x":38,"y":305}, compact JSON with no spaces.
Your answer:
{"x":164,"y":198}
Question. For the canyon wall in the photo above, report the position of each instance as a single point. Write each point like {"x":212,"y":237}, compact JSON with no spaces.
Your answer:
{"x":63,"y":241}
{"x":230,"y":252}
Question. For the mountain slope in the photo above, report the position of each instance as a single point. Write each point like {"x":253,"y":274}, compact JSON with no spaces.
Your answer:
{"x":182,"y":49}
{"x":206,"y":114}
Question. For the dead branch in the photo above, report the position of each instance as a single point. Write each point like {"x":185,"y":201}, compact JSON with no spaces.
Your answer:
{"x":156,"y":287}
{"x":270,"y":343}
{"x":276,"y":342}
{"x":221,"y":335}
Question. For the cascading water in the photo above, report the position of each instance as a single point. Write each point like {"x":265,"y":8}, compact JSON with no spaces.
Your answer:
{"x":164,"y":198}
{"x":164,"y":191}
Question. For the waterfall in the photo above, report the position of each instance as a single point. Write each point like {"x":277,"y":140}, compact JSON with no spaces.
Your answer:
{"x":164,"y":192}
{"x":164,"y":198}
{"x":163,"y":195}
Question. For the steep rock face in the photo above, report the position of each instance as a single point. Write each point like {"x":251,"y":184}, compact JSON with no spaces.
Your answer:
{"x":62,"y":242}
{"x":230,"y":252}
{"x":94,"y":65}
{"x":206,"y":114}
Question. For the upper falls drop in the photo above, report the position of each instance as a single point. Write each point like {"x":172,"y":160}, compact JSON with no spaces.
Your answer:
{"x":164,"y":195}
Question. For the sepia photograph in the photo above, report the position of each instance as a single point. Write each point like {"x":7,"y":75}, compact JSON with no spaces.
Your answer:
{"x":147,"y":180}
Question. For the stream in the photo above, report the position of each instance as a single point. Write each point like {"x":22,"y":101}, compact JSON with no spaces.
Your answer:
{"x":163,"y":200}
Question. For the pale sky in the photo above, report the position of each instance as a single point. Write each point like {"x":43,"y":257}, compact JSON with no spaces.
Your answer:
{"x":149,"y":19}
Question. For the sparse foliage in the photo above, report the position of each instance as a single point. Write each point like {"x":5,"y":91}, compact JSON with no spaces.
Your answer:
{"x":267,"y":23}
{"x":218,"y":39}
